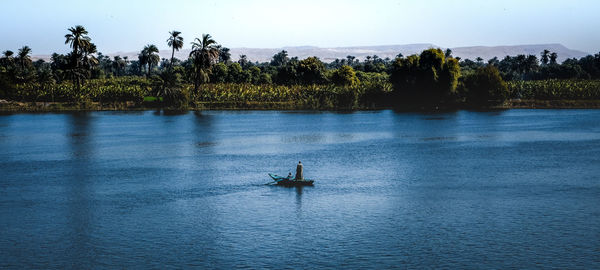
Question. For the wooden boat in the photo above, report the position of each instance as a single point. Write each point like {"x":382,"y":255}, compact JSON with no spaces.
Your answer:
{"x":289,"y":181}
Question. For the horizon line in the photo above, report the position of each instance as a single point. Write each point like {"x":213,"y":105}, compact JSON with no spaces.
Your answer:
{"x":336,"y":47}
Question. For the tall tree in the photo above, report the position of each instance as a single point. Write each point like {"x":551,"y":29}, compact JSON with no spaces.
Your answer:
{"x":149,"y":56}
{"x":428,"y":77}
{"x":7,"y":59}
{"x":280,"y":59}
{"x":545,"y":58}
{"x":204,"y":54}
{"x":448,"y":53}
{"x":494,"y":61}
{"x":243,"y":61}
{"x":311,"y":71}
{"x":88,"y":59}
{"x":8,"y":53}
{"x":24,"y":57}
{"x":78,"y":41}
{"x":350,"y":60}
{"x":175,"y":41}
{"x":224,"y":55}
{"x":118,"y":65}
{"x":143,"y":60}
{"x":553,"y":57}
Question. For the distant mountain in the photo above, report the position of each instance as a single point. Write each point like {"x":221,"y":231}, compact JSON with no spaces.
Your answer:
{"x":360,"y":52}
{"x":330,"y":54}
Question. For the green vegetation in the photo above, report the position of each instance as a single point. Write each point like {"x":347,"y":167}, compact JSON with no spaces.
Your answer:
{"x":555,"y":89}
{"x":175,"y":41}
{"x":430,"y":77}
{"x":209,"y":78}
{"x":101,"y":90}
{"x":344,"y":75}
{"x":485,"y":86}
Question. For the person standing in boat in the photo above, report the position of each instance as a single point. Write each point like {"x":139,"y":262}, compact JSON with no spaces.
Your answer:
{"x":299,"y":171}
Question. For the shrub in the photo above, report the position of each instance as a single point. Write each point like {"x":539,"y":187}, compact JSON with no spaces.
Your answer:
{"x":344,"y":76}
{"x":486,"y":87}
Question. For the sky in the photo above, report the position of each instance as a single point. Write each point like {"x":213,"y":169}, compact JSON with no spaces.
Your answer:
{"x":127,"y":25}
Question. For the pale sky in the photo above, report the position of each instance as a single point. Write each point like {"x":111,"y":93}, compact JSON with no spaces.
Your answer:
{"x":127,"y":25}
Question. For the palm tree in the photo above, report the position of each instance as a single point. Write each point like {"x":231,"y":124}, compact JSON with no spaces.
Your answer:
{"x":204,"y":54}
{"x":175,"y":41}
{"x":7,"y":59}
{"x":243,"y":61}
{"x":58,"y":62}
{"x":46,"y":80}
{"x":166,"y":85}
{"x":8,"y":53}
{"x":448,"y":53}
{"x":119,"y":64}
{"x":77,"y":40}
{"x":553,"y":57}
{"x":143,"y":59}
{"x":350,"y":60}
{"x":88,"y":59}
{"x":279,"y":59}
{"x":23,"y":56}
{"x":149,"y":56}
{"x":224,"y":55}
{"x":545,"y":58}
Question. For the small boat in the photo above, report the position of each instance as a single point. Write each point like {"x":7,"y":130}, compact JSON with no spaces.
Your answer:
{"x":289,"y":181}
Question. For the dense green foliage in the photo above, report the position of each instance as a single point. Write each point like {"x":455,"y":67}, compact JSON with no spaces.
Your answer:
{"x":344,"y":75}
{"x":107,"y":90}
{"x":555,"y":89}
{"x":485,"y":86}
{"x":428,"y":77}
{"x":431,"y":78}
{"x":167,"y":87}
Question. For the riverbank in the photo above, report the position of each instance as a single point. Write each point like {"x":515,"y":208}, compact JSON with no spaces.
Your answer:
{"x":16,"y":106}
{"x":553,"y":104}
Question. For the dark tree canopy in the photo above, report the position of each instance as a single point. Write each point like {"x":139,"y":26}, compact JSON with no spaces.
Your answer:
{"x":428,"y":76}
{"x":345,"y":75}
{"x":486,"y":87}
{"x":280,"y":59}
{"x":311,"y":71}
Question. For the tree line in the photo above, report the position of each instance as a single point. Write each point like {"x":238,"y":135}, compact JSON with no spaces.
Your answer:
{"x":430,"y":78}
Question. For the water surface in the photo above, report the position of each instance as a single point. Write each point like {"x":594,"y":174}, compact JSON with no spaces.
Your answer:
{"x":516,"y":188}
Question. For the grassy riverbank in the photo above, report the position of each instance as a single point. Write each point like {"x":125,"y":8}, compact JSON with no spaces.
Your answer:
{"x":137,"y":93}
{"x":14,"y":106}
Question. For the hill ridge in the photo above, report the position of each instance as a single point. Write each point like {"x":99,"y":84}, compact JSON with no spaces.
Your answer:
{"x":328,"y":54}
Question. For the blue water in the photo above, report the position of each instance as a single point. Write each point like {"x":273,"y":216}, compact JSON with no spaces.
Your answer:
{"x":140,"y":190}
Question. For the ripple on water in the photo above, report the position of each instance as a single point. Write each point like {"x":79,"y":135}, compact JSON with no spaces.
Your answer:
{"x":508,"y":189}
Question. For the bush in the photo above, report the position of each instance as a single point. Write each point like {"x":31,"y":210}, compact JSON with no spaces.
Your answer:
{"x":311,"y":71}
{"x":344,"y":76}
{"x":430,"y":77}
{"x":486,"y":87}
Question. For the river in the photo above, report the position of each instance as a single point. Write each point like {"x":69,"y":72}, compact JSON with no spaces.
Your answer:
{"x":140,"y":190}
